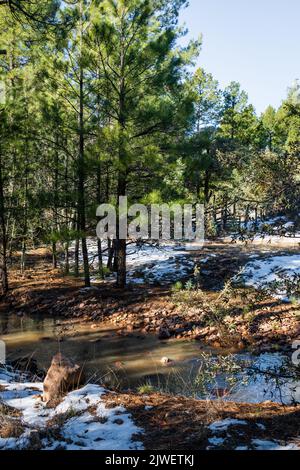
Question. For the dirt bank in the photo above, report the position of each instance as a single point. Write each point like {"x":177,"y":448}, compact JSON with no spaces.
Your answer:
{"x":239,"y":317}
{"x":182,"y":423}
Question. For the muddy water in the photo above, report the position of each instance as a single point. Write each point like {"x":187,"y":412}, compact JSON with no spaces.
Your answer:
{"x":131,"y":359}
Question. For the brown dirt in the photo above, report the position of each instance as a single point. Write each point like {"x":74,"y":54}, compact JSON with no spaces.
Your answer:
{"x":178,"y":423}
{"x":259,"y":324}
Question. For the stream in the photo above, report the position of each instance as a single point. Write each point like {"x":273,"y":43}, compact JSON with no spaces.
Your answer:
{"x":99,"y":348}
{"x":135,"y":359}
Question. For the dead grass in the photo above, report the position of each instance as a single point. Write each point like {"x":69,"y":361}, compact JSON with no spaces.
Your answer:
{"x":10,"y":427}
{"x":182,"y":423}
{"x":7,"y":410}
{"x":10,"y":424}
{"x":60,"y":419}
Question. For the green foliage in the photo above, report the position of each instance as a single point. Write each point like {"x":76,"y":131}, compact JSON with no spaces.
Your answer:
{"x":101,"y":99}
{"x":177,"y":287}
{"x":146,"y":389}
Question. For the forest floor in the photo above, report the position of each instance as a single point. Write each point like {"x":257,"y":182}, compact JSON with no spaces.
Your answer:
{"x":233,"y":317}
{"x":184,"y":423}
{"x":239,"y":317}
{"x":94,"y":418}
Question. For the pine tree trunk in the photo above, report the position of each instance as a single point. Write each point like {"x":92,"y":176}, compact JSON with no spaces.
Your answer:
{"x":110,"y":257}
{"x":256,"y":217}
{"x":120,"y":243}
{"x":55,"y":204}
{"x":67,"y":259}
{"x":122,"y":175}
{"x":25,"y":223}
{"x":206,"y":186}
{"x":76,"y":267}
{"x":81,"y":176}
{"x":98,"y":196}
{"x":247,"y":216}
{"x":225,"y":215}
{"x":100,"y":259}
{"x":3,"y":237}
{"x":54,"y":255}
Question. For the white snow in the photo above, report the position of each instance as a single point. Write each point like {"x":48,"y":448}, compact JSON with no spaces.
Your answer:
{"x":261,"y":426}
{"x":256,"y":388}
{"x":157,"y":265}
{"x":272,"y":445}
{"x":216,"y":441}
{"x":88,"y":424}
{"x":150,"y":263}
{"x":220,"y":426}
{"x":277,"y":231}
{"x":85,"y":423}
{"x":262,"y":273}
{"x":279,"y":223}
{"x":257,"y":444}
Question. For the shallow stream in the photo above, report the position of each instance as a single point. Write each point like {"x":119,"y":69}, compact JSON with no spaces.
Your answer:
{"x":135,"y":359}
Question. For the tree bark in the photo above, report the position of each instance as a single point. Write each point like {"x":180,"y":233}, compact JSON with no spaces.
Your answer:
{"x":55,"y":204}
{"x":81,"y":171}
{"x":25,"y":214}
{"x":3,"y":239}
{"x":98,"y":197}
{"x":207,"y":193}
{"x":122,"y":174}
{"x":76,"y":255}
{"x":120,"y":243}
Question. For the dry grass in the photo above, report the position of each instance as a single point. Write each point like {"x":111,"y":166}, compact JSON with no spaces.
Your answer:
{"x":10,"y":424}
{"x":182,"y":423}
{"x":6,"y":410}
{"x":10,"y":427}
{"x":60,"y":419}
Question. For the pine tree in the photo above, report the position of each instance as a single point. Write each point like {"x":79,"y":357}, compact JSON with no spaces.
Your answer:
{"x":141,"y":86}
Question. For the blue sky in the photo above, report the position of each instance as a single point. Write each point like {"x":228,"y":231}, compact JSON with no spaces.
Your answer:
{"x":254,"y":42}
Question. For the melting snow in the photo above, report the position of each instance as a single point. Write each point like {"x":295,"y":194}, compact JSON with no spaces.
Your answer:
{"x":88,"y":424}
{"x":219,"y":426}
{"x":272,"y":445}
{"x":216,"y":441}
{"x":164,"y":263}
{"x":258,"y":388}
{"x":261,"y":274}
{"x":258,"y":444}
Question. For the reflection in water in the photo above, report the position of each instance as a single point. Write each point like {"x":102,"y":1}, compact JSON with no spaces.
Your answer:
{"x":133,"y":357}
{"x":131,"y":360}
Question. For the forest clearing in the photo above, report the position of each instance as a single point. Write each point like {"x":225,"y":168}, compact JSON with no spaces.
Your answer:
{"x":118,"y":342}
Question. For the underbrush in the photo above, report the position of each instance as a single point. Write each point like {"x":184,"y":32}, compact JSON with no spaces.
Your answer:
{"x":206,"y":378}
{"x":236,"y":311}
{"x":10,"y":427}
{"x":10,"y":424}
{"x":219,"y":310}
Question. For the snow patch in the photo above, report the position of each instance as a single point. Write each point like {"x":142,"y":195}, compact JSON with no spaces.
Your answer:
{"x":86,"y":422}
{"x":219,"y":426}
{"x":148,"y":263}
{"x":255,"y":387}
{"x":260,"y":444}
{"x":263,"y":273}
